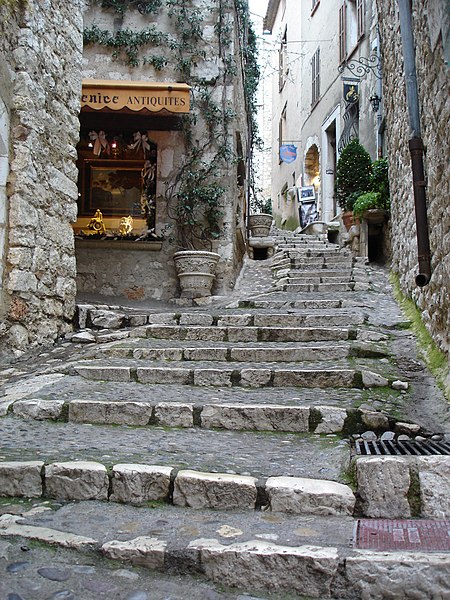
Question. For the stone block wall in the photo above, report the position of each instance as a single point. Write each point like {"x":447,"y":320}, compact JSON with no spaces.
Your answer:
{"x":40,"y":52}
{"x":429,"y":23}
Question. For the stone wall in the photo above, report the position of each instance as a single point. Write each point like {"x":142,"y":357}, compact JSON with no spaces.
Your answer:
{"x":40,"y":85}
{"x":432,"y":75}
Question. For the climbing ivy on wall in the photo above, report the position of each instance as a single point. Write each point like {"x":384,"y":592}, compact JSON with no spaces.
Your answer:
{"x":195,"y":196}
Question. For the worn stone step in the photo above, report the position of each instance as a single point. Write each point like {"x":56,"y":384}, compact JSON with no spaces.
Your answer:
{"x":295,"y":304}
{"x":268,"y":553}
{"x":215,"y":374}
{"x":319,"y":287}
{"x":250,"y":453}
{"x":328,"y":278}
{"x":229,"y":353}
{"x":138,"y":484}
{"x":244,"y":416}
{"x":323,"y":272}
{"x":248,"y":333}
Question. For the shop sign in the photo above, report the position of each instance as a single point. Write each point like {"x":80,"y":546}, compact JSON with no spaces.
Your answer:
{"x":288,"y":153}
{"x":135,"y":95}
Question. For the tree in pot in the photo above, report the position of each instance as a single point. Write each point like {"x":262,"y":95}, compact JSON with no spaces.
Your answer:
{"x":353,"y":174}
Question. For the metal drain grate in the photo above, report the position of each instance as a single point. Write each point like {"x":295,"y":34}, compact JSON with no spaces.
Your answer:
{"x":401,"y":448}
{"x":424,"y":535}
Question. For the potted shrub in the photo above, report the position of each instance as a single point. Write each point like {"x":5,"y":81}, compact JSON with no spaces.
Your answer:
{"x":375,"y":203}
{"x":353,"y":176}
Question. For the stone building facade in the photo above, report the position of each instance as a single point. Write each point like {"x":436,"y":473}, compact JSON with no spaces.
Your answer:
{"x":321,"y":95}
{"x":431,"y":33}
{"x":50,"y":55}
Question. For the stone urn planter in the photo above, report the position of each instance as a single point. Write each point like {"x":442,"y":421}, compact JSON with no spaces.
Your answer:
{"x":196,"y":271}
{"x":375,"y":216}
{"x":260,"y":224}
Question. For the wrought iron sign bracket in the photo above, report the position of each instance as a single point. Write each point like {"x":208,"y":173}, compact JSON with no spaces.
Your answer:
{"x":361,"y":67}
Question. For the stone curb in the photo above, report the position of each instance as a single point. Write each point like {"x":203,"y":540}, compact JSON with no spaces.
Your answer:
{"x":139,"y":484}
{"x":320,"y":572}
{"x":232,"y":417}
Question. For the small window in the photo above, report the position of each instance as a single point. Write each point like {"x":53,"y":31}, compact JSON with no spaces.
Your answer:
{"x":360,"y":17}
{"x":283,"y":63}
{"x":342,"y":33}
{"x":315,"y":71}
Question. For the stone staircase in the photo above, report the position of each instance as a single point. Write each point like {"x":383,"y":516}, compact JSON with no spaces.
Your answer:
{"x":246,"y":409}
{"x":304,"y":265}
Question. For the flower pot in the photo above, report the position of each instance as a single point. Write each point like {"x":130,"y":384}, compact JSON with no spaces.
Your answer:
{"x":196,"y":271}
{"x":347,"y":219}
{"x":375,"y":216}
{"x":260,"y":224}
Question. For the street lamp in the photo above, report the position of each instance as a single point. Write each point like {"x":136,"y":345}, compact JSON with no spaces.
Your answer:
{"x":375,"y":102}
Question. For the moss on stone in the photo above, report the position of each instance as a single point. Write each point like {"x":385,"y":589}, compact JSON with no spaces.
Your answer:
{"x":414,"y":492}
{"x":435,"y":360}
{"x":315,"y":417}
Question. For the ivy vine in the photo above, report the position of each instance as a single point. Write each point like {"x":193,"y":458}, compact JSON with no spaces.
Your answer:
{"x":195,"y":197}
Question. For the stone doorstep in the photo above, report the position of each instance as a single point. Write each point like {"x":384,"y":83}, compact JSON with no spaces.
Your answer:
{"x":138,"y":484}
{"x":228,"y":377}
{"x":319,"y":571}
{"x":232,"y":417}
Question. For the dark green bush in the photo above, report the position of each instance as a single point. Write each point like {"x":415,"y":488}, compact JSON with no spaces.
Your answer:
{"x":353,"y":174}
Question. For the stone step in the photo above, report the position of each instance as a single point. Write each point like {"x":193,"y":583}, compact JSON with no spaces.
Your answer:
{"x":318,"y":287}
{"x":215,"y":374}
{"x":330,"y":278}
{"x":116,"y":319}
{"x":138,"y":484}
{"x":229,"y":353}
{"x":296,"y":304}
{"x":331,"y":260}
{"x":247,"y":333}
{"x":244,"y":416}
{"x":324,"y":272}
{"x":249,"y":453}
{"x":259,"y":551}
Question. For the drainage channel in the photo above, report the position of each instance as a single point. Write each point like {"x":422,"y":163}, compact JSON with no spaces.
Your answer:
{"x":401,"y":448}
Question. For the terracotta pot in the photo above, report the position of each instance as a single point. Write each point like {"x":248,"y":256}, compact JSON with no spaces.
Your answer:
{"x":347,"y":219}
{"x":260,"y":224}
{"x":196,"y":271}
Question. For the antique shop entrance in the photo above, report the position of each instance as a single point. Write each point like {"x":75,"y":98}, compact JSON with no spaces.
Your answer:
{"x":131,"y":141}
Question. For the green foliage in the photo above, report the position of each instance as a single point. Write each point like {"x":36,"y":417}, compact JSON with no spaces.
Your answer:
{"x":367,"y":201}
{"x":379,"y":181}
{"x":353,"y":173}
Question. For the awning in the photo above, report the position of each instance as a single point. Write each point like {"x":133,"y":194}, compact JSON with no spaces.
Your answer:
{"x":98,"y":94}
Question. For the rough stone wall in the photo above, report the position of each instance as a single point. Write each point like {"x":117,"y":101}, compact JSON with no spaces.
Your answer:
{"x":40,"y":50}
{"x":433,"y":79}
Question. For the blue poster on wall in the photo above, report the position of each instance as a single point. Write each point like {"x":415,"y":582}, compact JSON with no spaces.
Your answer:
{"x":288,"y":153}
